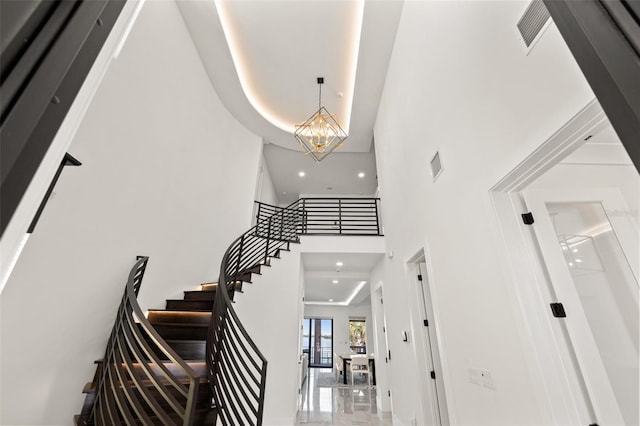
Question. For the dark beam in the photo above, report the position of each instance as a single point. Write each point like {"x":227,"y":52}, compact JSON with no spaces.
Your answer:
{"x":50,"y":72}
{"x":606,"y":55}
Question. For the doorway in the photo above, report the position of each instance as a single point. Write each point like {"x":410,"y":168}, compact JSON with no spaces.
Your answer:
{"x":589,"y":257}
{"x":317,"y":341}
{"x":569,"y":218}
{"x":433,"y":377}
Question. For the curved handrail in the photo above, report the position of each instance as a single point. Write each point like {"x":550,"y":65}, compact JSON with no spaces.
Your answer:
{"x":236,"y":367}
{"x":136,"y":385}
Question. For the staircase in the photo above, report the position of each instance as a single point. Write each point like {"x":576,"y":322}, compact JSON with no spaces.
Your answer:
{"x":193,"y":363}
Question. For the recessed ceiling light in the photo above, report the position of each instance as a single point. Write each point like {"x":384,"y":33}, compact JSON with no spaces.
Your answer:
{"x":301,"y":174}
{"x":330,"y":300}
{"x":339,"y":263}
{"x":361,"y":174}
{"x":335,"y":281}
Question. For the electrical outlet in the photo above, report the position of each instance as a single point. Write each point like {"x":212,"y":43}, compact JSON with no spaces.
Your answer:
{"x":474,"y":375}
{"x":487,"y":379}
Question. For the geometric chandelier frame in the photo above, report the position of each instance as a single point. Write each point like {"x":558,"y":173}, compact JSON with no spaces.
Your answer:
{"x":320,"y":134}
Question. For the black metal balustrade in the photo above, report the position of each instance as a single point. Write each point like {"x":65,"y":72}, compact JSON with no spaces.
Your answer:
{"x":237,"y":369}
{"x":326,"y":216}
{"x":141,"y":379}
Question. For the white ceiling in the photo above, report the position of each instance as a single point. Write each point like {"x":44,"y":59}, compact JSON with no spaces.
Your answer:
{"x":335,"y":175}
{"x":320,"y":271}
{"x":282,"y":47}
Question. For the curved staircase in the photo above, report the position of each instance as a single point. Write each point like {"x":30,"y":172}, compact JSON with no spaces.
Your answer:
{"x":193,"y":363}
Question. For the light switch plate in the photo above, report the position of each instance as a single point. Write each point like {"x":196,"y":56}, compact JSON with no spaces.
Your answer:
{"x":487,"y":379}
{"x":474,"y":375}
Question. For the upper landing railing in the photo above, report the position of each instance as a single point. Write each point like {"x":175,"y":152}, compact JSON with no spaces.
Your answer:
{"x":322,"y":216}
{"x":237,"y":369}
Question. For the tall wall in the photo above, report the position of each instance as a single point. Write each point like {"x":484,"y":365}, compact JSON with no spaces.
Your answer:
{"x":158,"y":149}
{"x":459,"y":81}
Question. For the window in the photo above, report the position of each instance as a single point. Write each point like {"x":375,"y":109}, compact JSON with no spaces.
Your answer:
{"x":358,"y":335}
{"x":317,"y":341}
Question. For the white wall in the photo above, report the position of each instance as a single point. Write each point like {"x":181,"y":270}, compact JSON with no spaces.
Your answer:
{"x":271,"y":310}
{"x":159,"y":178}
{"x":340,"y":316}
{"x":267,"y":192}
{"x":460,"y":82}
{"x":15,"y":234}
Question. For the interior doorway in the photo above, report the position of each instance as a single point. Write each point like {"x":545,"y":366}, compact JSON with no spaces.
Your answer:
{"x":569,"y":216}
{"x":433,"y":378}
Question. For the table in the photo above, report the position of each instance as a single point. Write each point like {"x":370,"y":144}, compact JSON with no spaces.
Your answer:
{"x":346,"y":358}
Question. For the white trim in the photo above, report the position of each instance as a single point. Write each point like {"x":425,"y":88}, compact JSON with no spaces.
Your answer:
{"x":560,"y":384}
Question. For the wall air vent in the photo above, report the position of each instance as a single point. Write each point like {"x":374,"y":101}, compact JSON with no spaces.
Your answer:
{"x":436,"y":166}
{"x":533,"y":22}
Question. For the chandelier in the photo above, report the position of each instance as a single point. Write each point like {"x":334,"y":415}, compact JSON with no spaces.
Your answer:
{"x":321,"y":134}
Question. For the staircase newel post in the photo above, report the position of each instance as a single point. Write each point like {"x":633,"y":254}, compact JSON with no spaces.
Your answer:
{"x":258,"y":213}
{"x":377,"y":216}
{"x":340,"y":214}
{"x":266,"y":251}
{"x":304,"y":217}
{"x":240,"y":254}
{"x":281,"y":223}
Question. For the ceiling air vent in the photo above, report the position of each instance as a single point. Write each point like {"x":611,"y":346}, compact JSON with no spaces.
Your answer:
{"x":533,"y":21}
{"x":436,"y":166}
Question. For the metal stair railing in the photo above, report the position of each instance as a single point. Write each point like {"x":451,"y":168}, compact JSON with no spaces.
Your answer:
{"x":236,"y":367}
{"x":135,"y":385}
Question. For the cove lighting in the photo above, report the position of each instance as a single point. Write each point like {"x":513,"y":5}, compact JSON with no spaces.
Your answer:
{"x":355,"y":292}
{"x":248,"y":87}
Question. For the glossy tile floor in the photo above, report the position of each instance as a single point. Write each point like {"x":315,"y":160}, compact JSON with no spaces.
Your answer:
{"x":340,"y":405}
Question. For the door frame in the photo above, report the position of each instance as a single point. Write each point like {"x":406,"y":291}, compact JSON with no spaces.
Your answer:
{"x":439,"y":408}
{"x":561,"y":384}
{"x":381,"y":348}
{"x":312,"y":345}
{"x":589,"y":358}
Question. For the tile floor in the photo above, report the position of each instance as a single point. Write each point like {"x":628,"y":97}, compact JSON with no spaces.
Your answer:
{"x":342,"y":405}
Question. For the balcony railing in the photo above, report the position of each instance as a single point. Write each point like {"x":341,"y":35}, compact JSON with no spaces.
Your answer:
{"x":322,"y":216}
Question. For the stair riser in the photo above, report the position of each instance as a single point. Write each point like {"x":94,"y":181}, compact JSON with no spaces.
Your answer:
{"x":171,"y":332}
{"x":190,"y":305}
{"x":200,"y":295}
{"x":188,"y":350}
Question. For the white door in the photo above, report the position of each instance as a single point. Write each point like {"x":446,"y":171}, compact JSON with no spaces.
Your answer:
{"x":589,"y":244}
{"x":432,"y":349}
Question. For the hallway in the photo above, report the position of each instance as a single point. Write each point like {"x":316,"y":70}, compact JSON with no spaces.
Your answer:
{"x":338,"y":404}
